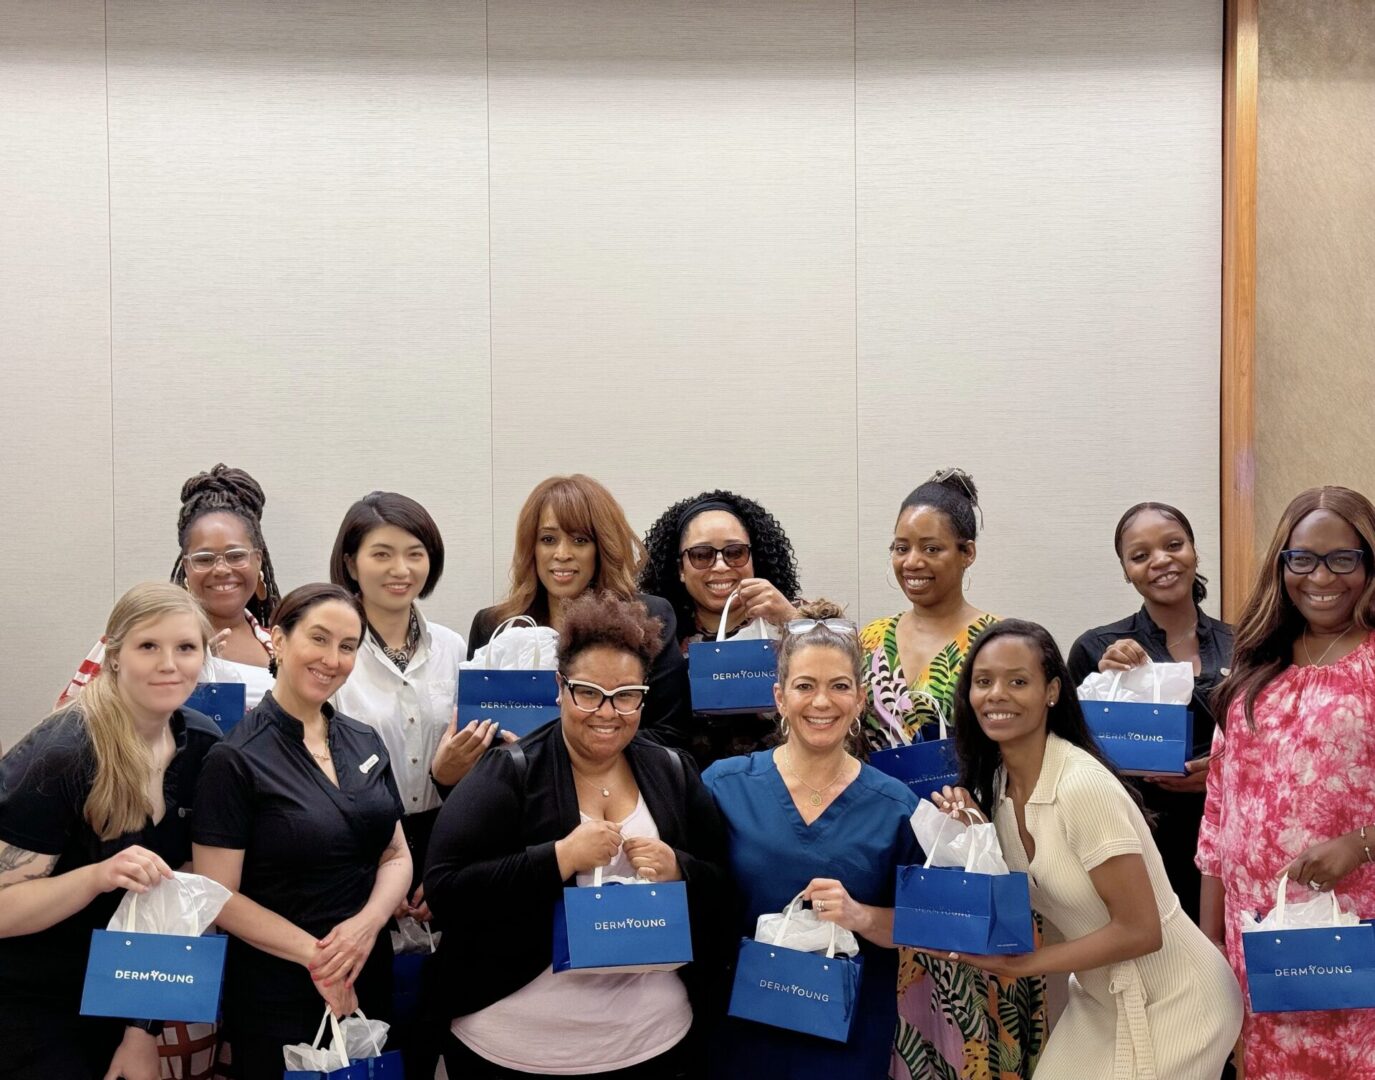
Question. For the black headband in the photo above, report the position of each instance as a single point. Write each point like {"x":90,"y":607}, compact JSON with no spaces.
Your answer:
{"x":701,"y":506}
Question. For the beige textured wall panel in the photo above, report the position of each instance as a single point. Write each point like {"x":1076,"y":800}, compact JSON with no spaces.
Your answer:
{"x":673,"y":260}
{"x":1315,"y":249}
{"x":56,"y":576}
{"x":1039,"y":204}
{"x":300,"y":250}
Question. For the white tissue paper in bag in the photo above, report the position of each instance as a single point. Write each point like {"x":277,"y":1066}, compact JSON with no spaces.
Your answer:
{"x":758,"y":630}
{"x":185,"y":905}
{"x":1322,"y":911}
{"x":362,"y":1039}
{"x":518,"y":648}
{"x":805,"y":933}
{"x":1176,"y":684}
{"x":413,"y":937}
{"x":949,"y":841}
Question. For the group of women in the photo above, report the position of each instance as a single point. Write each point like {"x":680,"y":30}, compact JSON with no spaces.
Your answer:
{"x":348,"y":797}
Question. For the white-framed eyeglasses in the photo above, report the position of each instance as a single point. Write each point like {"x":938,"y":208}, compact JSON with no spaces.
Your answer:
{"x":588,"y":696}
{"x":202,"y":562}
{"x":836,"y":626}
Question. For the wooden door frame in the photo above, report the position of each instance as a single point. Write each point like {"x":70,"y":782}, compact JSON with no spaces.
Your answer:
{"x":1240,"y":85}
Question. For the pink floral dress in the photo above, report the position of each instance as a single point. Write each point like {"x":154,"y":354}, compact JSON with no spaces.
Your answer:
{"x":1304,"y":775}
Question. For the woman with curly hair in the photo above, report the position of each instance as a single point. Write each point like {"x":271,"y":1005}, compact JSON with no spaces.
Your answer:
{"x":571,"y":537}
{"x":702,"y":551}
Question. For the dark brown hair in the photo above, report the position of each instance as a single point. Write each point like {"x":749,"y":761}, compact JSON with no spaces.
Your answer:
{"x":385,"y":508}
{"x":1270,"y":622}
{"x":602,"y":618}
{"x":297,"y":603}
{"x":1174,"y":514}
{"x":581,"y":505}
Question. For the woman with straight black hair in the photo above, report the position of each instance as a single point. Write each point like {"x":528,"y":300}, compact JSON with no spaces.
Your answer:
{"x":1155,"y":545}
{"x":1150,"y":996}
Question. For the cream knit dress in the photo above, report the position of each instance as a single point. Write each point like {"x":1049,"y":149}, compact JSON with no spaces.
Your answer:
{"x":1172,"y":1015}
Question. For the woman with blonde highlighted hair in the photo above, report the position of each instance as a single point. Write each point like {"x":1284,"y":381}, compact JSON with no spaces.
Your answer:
{"x":1291,"y":784}
{"x":572,"y":536}
{"x":94,"y":802}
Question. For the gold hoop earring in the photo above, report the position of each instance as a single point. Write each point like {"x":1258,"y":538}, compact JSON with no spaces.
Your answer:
{"x":261,"y":591}
{"x":783,"y":728}
{"x":856,"y":728}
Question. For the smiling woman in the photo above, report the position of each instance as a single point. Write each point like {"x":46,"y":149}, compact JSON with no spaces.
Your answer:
{"x":298,"y":809}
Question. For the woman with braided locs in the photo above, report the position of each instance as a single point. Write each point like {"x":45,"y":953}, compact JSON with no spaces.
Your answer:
{"x":223,"y":562}
{"x":701,"y":552}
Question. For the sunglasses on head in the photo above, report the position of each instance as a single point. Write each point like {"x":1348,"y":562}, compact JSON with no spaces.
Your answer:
{"x":703,"y":556}
{"x":835,"y":626}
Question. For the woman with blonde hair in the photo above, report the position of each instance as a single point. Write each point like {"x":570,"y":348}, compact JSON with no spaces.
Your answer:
{"x":94,"y":801}
{"x":1291,"y":785}
{"x":572,"y":536}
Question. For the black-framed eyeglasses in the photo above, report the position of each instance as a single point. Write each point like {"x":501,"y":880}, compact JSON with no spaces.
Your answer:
{"x":588,"y":696}
{"x":1340,"y":561}
{"x":703,"y":556}
{"x":202,"y":562}
{"x":836,"y":626}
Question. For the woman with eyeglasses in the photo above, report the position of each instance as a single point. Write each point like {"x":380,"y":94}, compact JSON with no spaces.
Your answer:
{"x":702,"y":552}
{"x":572,"y":536}
{"x":808,"y":817}
{"x":224,"y":564}
{"x":1291,"y":787}
{"x":585,"y":792}
{"x":1155,"y":545}
{"x":969,"y":1024}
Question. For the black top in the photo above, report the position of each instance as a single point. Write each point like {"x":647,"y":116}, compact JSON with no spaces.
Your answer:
{"x":310,"y":849}
{"x":492,"y":864}
{"x":45,"y":780}
{"x":1214,"y":654}
{"x":667,"y":716}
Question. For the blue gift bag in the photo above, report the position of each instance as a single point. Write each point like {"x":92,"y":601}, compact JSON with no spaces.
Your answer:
{"x":616,"y":928}
{"x":1139,"y":737}
{"x":154,"y":976}
{"x":798,"y":991}
{"x":732,"y":675}
{"x":956,"y":910}
{"x":923,"y":766}
{"x":384,"y":1066}
{"x":518,"y":701}
{"x":223,"y":702}
{"x":1327,"y":967}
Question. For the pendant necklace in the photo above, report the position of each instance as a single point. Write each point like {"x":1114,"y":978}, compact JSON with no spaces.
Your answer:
{"x":605,"y":791}
{"x":816,"y":793}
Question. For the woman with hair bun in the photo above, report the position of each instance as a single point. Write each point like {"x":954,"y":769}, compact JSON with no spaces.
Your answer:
{"x":224,"y":563}
{"x":572,"y":536}
{"x":1155,"y":545}
{"x":298,"y":811}
{"x":1291,"y":786}
{"x":808,"y":816}
{"x":950,"y":1017}
{"x":584,"y":792}
{"x":94,"y":801}
{"x":701,"y":552}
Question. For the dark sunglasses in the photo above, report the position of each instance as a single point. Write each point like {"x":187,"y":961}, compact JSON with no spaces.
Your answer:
{"x":1303,"y":561}
{"x":703,"y":556}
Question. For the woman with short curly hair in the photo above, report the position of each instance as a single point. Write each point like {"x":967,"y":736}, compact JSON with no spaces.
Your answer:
{"x":703,"y":551}
{"x":584,"y":792}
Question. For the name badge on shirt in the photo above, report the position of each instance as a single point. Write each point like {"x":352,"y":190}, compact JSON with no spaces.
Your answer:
{"x":367,"y":765}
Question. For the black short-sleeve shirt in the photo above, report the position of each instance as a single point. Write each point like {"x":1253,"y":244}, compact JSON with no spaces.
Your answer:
{"x":45,"y":780}
{"x":310,"y":849}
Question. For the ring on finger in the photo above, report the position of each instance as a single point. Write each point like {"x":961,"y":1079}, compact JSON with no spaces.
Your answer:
{"x":820,"y":905}
{"x":1314,"y":885}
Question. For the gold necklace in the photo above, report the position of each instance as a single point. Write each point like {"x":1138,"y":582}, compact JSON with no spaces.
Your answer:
{"x":605,"y":791}
{"x":1319,"y":660}
{"x":815,"y":798}
{"x":1192,"y":631}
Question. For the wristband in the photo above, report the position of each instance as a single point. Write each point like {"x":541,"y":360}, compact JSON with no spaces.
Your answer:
{"x":150,"y":1027}
{"x":1365,"y":844}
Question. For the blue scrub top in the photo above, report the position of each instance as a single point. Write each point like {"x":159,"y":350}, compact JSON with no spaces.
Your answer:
{"x":860,"y":840}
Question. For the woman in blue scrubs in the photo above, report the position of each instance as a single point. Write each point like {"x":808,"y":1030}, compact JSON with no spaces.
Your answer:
{"x":808,"y":817}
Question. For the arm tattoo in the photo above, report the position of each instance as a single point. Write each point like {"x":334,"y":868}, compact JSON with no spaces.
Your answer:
{"x":18,"y":865}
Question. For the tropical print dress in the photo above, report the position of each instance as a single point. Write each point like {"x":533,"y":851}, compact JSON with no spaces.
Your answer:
{"x":954,"y":1022}
{"x":1301,"y":775}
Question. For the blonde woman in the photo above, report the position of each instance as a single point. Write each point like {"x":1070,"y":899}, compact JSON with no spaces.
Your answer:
{"x":95,"y":801}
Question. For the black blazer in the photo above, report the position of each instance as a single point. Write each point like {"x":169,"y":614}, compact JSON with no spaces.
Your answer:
{"x":667,"y":716}
{"x":493,"y":879}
